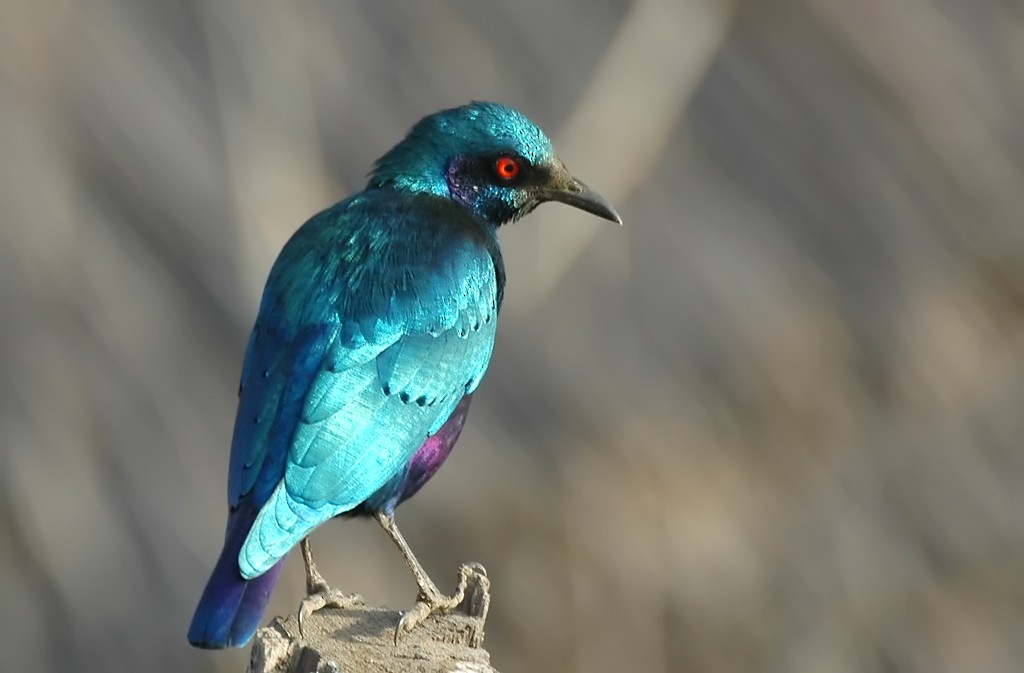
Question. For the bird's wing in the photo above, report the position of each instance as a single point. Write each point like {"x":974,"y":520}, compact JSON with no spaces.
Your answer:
{"x":279,"y":367}
{"x":349,"y":399}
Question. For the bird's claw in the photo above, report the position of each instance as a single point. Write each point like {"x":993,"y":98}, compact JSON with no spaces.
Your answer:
{"x":472,"y":577}
{"x":323,"y":597}
{"x":412,"y":617}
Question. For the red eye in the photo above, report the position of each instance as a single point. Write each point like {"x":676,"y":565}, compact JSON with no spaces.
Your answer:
{"x":506,"y":167}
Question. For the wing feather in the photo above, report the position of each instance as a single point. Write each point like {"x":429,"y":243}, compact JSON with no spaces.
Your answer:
{"x":349,"y":415}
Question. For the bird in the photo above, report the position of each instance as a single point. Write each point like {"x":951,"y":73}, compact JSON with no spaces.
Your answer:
{"x":375,"y":327}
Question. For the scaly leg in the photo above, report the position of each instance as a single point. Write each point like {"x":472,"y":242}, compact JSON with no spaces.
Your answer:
{"x":318,"y":594}
{"x":430,"y":597}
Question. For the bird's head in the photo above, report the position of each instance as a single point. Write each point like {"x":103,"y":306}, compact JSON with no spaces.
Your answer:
{"x":488,"y":157}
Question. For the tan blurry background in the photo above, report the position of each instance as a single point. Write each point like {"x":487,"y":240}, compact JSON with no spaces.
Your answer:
{"x":774,"y":423}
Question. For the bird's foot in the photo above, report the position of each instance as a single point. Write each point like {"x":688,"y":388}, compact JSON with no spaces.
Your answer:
{"x":473,"y":592}
{"x":319,"y":594}
{"x":323,"y":596}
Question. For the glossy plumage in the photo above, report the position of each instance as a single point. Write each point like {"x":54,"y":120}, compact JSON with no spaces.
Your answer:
{"x":376,"y":324}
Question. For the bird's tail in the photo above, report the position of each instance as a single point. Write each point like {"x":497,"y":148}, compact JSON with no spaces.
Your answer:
{"x":231,"y":607}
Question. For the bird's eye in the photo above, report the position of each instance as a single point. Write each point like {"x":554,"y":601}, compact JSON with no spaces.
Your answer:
{"x":507,"y":168}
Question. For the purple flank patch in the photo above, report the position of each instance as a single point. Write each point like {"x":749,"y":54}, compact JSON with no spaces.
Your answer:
{"x":431,"y":455}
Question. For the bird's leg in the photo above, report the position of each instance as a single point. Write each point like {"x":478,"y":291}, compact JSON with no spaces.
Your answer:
{"x":430,"y":598}
{"x":318,"y":594}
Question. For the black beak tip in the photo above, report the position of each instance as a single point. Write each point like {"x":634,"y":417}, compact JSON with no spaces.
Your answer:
{"x":583,"y":197}
{"x":600,"y":207}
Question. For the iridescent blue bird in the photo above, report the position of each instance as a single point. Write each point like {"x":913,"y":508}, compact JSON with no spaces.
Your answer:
{"x":376,"y":325}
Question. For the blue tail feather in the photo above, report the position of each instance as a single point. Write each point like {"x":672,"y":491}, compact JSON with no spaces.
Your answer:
{"x":231,"y":608}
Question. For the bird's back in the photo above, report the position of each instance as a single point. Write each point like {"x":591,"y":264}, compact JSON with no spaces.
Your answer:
{"x":378,"y":316}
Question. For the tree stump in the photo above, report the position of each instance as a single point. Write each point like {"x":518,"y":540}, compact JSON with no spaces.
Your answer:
{"x":361,"y":639}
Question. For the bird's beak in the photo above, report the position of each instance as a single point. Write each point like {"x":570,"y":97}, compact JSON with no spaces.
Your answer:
{"x":576,"y":194}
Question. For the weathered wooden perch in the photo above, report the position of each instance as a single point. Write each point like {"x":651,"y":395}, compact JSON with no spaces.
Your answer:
{"x":361,"y":639}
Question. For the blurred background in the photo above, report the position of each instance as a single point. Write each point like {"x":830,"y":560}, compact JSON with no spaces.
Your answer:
{"x":773,"y":423}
